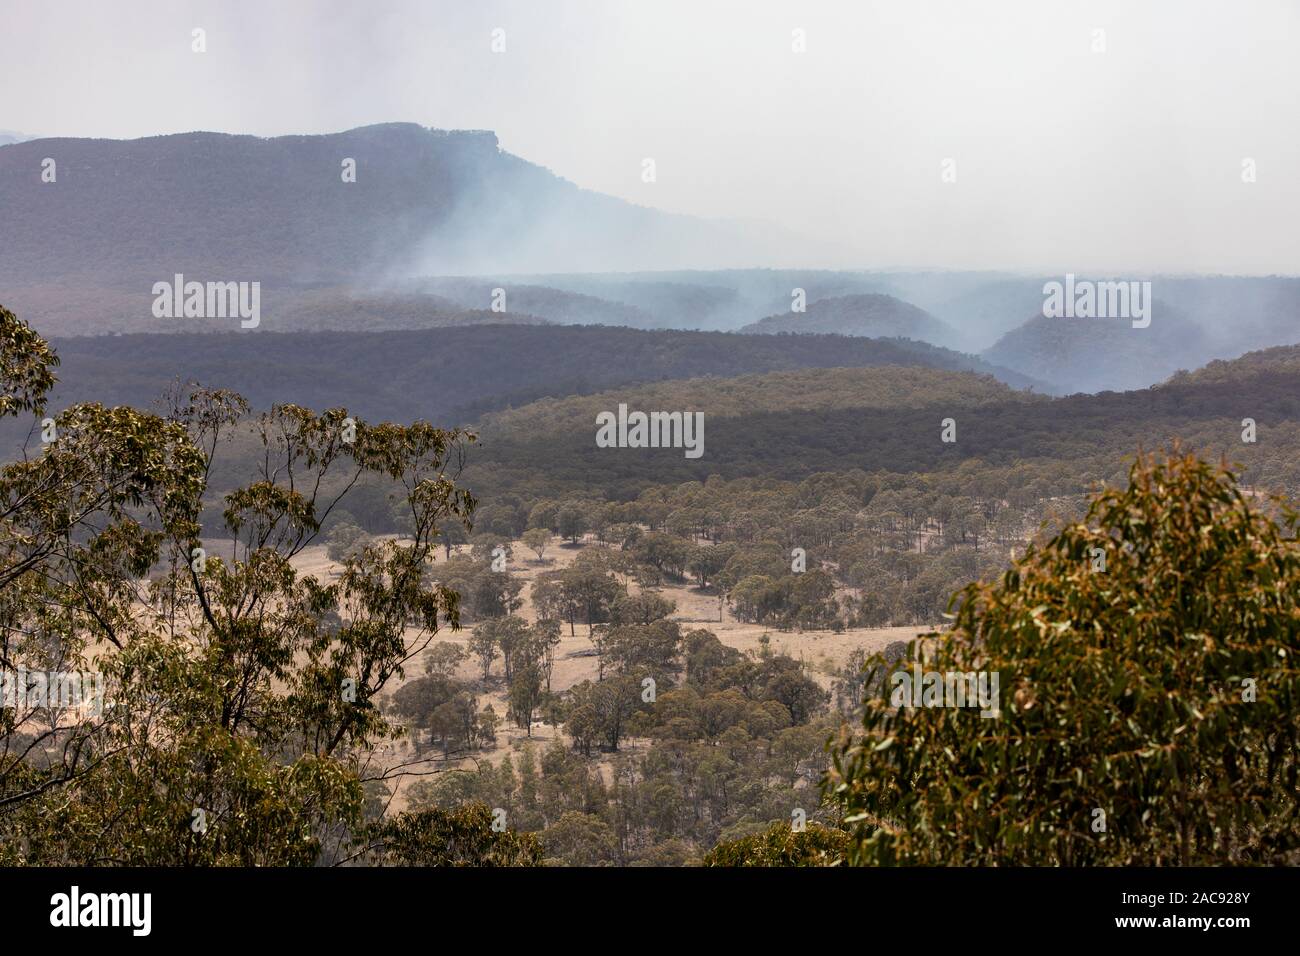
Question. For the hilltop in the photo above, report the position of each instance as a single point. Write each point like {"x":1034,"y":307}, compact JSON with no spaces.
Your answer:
{"x":872,"y":315}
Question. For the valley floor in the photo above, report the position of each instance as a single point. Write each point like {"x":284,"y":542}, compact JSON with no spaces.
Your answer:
{"x":575,"y":659}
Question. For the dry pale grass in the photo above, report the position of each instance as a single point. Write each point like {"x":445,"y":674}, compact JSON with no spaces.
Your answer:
{"x":823,"y":651}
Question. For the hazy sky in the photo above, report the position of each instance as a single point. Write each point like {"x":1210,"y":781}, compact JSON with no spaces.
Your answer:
{"x":1128,"y":160}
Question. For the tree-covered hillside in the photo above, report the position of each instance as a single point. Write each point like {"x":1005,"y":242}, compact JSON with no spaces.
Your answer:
{"x":458,"y":373}
{"x":878,"y":387}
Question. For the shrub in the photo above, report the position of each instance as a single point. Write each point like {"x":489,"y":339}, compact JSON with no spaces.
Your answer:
{"x":1149,"y":711}
{"x":780,"y":845}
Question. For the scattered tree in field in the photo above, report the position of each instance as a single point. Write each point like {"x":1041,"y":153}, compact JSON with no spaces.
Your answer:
{"x":546,"y":638}
{"x":572,"y":520}
{"x":588,"y":595}
{"x":707,"y":561}
{"x":443,"y":659}
{"x":526,"y":692}
{"x":483,"y":645}
{"x":445,"y":709}
{"x":651,"y":647}
{"x":537,"y":540}
{"x":666,"y":553}
{"x":643,"y":608}
{"x":603,"y":708}
{"x":514,"y":638}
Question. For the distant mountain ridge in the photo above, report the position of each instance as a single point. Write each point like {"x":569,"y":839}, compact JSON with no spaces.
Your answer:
{"x":437,"y":220}
{"x":1092,"y":355}
{"x":224,"y":207}
{"x":872,"y":315}
{"x":554,"y":305}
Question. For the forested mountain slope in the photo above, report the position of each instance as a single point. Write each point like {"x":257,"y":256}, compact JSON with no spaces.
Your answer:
{"x":456,"y":373}
{"x":1084,"y":433}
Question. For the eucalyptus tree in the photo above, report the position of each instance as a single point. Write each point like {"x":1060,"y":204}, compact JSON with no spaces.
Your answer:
{"x":238,"y":719}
